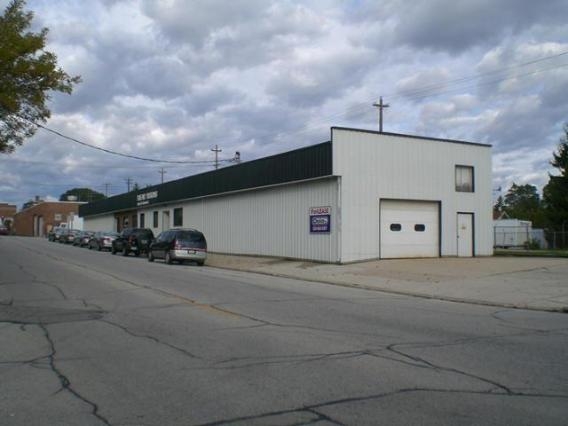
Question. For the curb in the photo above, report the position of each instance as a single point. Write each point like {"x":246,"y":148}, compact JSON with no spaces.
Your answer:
{"x":478,"y":302}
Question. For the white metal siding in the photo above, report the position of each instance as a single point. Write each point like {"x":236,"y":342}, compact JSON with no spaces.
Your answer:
{"x":100,"y":223}
{"x":269,"y":222}
{"x":409,"y":229}
{"x":377,"y":166}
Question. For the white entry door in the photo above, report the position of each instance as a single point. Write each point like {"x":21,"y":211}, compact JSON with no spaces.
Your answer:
{"x":165,"y":220}
{"x":465,"y":234}
{"x":409,"y":229}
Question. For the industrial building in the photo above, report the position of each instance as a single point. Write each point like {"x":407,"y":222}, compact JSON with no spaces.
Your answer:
{"x":361,"y":195}
{"x":38,"y":219}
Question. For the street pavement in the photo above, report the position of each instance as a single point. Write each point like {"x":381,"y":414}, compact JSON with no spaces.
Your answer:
{"x":511,"y":282}
{"x":88,"y":338}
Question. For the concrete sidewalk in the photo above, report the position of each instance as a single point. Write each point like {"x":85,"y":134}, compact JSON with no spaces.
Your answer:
{"x":527,"y":283}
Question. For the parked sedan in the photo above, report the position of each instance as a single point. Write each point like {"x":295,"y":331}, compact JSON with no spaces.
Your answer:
{"x":179,"y":245}
{"x":55,"y":233}
{"x":102,"y":240}
{"x":82,"y":238}
{"x":132,"y":240}
{"x":68,"y":236}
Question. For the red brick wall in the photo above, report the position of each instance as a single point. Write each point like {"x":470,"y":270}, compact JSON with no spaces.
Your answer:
{"x":7,"y":210}
{"x":52,"y":212}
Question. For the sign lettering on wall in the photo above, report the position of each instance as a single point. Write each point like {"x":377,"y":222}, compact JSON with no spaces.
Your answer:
{"x":320,"y":220}
{"x":146,"y":198}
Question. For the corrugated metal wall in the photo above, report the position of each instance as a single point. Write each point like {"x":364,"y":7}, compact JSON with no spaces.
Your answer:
{"x":381,"y":166}
{"x":269,"y":222}
{"x":99,"y":223}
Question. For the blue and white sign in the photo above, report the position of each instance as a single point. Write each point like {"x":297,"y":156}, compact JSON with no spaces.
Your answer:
{"x":320,"y":220}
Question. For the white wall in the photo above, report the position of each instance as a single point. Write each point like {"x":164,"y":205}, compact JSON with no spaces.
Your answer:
{"x":269,"y":222}
{"x":377,"y":166}
{"x":100,"y":223}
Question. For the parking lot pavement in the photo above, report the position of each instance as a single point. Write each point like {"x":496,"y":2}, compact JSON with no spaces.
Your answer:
{"x":526,"y":283}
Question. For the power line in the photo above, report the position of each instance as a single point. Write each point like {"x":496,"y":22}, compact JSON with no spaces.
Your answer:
{"x":431,"y":90}
{"x":108,"y":151}
{"x":426,"y":91}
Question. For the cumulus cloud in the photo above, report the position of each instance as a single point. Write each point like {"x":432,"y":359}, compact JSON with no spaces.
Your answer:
{"x":172,"y":79}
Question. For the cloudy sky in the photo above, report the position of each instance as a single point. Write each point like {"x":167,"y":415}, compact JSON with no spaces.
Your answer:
{"x":171,"y":79}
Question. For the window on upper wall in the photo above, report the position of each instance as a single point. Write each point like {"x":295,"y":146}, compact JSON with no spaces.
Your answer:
{"x":464,"y":179}
{"x":178,"y":217}
{"x":155,"y":224}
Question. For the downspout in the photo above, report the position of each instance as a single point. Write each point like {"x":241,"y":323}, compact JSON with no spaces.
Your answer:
{"x":338,"y":220}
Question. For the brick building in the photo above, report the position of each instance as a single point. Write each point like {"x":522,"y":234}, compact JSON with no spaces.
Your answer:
{"x":37,"y":220}
{"x":7,"y":213}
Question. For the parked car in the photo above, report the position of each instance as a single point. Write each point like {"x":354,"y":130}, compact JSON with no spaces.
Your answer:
{"x":179,"y":245}
{"x":82,"y":238}
{"x":3,"y":230}
{"x":67,"y":236}
{"x":102,"y":240}
{"x":55,"y":233}
{"x":135,"y":240}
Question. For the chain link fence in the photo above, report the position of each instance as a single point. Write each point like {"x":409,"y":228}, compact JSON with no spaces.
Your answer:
{"x":524,"y":237}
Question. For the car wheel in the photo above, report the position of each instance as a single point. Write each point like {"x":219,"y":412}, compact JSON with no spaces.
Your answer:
{"x":136,"y":253}
{"x":168,"y":259}
{"x":200,"y":263}
{"x":99,"y":248}
{"x":125,"y":251}
{"x":150,"y":256}
{"x":113,"y":250}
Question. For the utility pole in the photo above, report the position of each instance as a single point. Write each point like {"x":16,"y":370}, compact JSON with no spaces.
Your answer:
{"x":107,"y":186}
{"x":128,"y":183}
{"x":216,"y":150}
{"x":380,"y":105}
{"x":162,"y":172}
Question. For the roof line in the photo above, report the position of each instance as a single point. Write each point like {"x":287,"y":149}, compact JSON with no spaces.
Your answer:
{"x":402,"y":135}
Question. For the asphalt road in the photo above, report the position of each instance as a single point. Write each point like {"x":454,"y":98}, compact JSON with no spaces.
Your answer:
{"x":87,"y":338}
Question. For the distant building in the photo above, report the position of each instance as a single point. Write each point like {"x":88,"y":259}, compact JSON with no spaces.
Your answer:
{"x":7,"y":213}
{"x":362,"y":195}
{"x":38,"y":219}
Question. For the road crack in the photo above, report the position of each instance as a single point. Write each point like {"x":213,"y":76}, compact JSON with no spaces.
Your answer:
{"x":151,"y":338}
{"x":64,"y":381}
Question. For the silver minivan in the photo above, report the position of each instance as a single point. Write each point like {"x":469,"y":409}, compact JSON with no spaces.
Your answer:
{"x":179,"y":245}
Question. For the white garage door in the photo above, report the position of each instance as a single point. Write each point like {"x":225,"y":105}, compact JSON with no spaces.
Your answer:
{"x":409,"y":229}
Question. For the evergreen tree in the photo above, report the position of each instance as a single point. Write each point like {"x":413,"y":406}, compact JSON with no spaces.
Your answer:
{"x":523,"y":202}
{"x":555,"y":193}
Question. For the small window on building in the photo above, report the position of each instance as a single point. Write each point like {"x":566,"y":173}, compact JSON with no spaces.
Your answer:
{"x":142,"y":221}
{"x":155,"y":224}
{"x":58,"y":217}
{"x":464,"y":179}
{"x":178,"y":217}
{"x":395,"y":227}
{"x":419,"y":227}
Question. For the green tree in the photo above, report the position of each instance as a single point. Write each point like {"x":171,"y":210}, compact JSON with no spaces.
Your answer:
{"x":555,"y":193}
{"x":523,"y":202}
{"x":499,"y":205}
{"x":28,"y":74}
{"x":82,"y":194}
